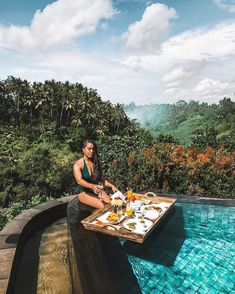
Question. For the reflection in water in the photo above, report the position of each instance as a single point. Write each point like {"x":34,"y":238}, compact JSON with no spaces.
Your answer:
{"x":27,"y":271}
{"x":44,"y":266}
{"x":88,"y":266}
{"x":164,"y":243}
{"x":53,"y":270}
{"x":119,"y":265}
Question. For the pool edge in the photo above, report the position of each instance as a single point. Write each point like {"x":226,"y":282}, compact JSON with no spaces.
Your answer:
{"x":15,"y":233}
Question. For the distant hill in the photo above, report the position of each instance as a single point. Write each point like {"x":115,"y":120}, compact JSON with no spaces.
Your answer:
{"x":190,"y":123}
{"x":151,"y":116}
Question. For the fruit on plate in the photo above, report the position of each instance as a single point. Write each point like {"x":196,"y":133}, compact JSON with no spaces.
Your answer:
{"x":133,"y":198}
{"x":113,"y":217}
{"x":98,"y":222}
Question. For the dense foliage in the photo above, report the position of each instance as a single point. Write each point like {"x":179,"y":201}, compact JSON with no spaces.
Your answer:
{"x":190,"y":123}
{"x":43,"y":125}
{"x":171,"y":168}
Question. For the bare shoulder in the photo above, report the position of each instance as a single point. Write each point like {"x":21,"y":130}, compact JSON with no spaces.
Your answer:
{"x":78,"y":164}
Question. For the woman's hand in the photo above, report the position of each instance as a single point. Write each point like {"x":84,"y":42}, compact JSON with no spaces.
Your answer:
{"x":96,"y":189}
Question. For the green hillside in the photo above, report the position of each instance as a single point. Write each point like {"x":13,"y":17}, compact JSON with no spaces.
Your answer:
{"x":43,"y":126}
{"x":152,"y":116}
{"x":189,"y":123}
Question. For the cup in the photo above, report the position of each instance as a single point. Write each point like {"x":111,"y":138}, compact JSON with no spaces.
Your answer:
{"x":136,"y":204}
{"x":139,"y":214}
{"x":129,"y":210}
{"x":101,"y":185}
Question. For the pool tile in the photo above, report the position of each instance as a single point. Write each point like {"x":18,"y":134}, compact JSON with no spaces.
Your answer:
{"x":189,"y":291}
{"x":204,"y":288}
{"x":198,"y":282}
{"x":186,"y":283}
{"x":213,"y":291}
{"x":206,"y":260}
{"x":225,"y":290}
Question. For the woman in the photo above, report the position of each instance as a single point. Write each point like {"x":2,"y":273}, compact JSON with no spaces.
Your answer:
{"x":88,"y":175}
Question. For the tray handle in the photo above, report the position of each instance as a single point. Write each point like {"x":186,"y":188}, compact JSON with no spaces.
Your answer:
{"x":150,"y":194}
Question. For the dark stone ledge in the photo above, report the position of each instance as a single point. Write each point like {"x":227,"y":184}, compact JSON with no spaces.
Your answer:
{"x":14,"y":235}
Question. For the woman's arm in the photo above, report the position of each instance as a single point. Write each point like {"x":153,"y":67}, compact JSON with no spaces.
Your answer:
{"x":110,"y":185}
{"x":77,"y":172}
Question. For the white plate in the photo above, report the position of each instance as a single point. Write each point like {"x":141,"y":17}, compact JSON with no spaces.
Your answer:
{"x":153,"y":207}
{"x":140,"y":225}
{"x":104,"y":218}
{"x":164,"y":205}
{"x":118,"y":194}
{"x":146,"y":201}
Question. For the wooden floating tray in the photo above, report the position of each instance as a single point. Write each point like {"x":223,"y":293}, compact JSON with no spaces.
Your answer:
{"x":118,"y":230}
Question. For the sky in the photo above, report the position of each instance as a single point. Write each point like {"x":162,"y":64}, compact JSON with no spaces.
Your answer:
{"x":129,"y":50}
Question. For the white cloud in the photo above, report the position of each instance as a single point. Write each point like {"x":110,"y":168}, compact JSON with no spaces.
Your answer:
{"x":176,"y":75}
{"x":181,"y":74}
{"x":193,"y":47}
{"x":211,"y":87}
{"x":227,"y":5}
{"x":148,"y":33}
{"x":202,"y":43}
{"x":165,"y":75}
{"x":58,"y":23}
{"x":206,"y":90}
{"x":171,"y":91}
{"x":134,"y":62}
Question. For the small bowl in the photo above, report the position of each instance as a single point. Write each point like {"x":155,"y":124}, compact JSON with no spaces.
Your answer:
{"x":152,"y":214}
{"x":136,"y":204}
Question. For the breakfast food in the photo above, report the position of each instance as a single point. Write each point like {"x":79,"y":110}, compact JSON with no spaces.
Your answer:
{"x":98,"y":222}
{"x":146,"y":201}
{"x":132,"y":225}
{"x":151,"y":207}
{"x":113,"y":217}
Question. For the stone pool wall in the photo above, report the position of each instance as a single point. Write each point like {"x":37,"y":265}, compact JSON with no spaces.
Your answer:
{"x":14,"y":235}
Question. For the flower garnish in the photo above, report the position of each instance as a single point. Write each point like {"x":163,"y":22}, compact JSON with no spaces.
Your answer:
{"x":116,"y":202}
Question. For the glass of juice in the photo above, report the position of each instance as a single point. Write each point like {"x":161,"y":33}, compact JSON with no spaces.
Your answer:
{"x":129,"y":210}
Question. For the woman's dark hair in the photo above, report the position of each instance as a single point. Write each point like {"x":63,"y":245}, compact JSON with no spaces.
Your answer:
{"x":97,"y":172}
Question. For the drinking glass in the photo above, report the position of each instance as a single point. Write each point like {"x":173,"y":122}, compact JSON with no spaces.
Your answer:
{"x":101,"y":185}
{"x":129,"y":210}
{"x":119,"y":211}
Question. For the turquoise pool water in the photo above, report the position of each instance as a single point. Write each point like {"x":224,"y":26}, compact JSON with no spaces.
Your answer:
{"x":194,"y":252}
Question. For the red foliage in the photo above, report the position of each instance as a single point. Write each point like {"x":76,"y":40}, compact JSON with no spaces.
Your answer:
{"x":223,"y":161}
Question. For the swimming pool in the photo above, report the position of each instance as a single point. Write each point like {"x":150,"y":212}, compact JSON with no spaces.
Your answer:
{"x":192,"y":252}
